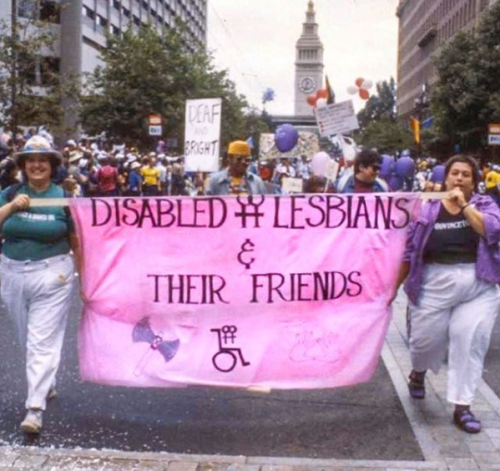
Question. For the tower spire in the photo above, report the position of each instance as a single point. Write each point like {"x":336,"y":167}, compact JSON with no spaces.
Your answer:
{"x":311,"y":6}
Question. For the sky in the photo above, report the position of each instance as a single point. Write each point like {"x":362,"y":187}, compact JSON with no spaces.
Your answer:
{"x":255,"y":40}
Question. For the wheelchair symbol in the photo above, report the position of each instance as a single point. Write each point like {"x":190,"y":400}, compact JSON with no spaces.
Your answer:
{"x":226,"y":359}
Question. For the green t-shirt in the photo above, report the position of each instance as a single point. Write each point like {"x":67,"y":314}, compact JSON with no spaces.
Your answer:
{"x":38,"y":233}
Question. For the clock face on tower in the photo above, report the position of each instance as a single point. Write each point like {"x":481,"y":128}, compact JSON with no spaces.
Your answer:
{"x":307,"y":85}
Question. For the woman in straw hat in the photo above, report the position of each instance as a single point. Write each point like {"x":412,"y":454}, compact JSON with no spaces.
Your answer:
{"x":37,"y":271}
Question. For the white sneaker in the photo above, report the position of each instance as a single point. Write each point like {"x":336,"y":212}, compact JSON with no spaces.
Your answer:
{"x":32,"y":423}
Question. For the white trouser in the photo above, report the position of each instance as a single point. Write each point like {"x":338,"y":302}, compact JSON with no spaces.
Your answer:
{"x":38,"y":296}
{"x":453,"y":306}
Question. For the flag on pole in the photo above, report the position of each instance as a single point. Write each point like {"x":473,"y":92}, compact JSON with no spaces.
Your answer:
{"x":415,"y":125}
{"x":331,"y":94}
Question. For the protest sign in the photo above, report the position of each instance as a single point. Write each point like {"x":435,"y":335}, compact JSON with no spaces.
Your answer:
{"x":202,"y":141}
{"x":307,"y":145}
{"x":292,"y":185}
{"x":265,"y":291}
{"x":339,"y":118}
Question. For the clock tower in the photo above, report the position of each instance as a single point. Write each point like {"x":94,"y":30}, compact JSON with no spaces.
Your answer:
{"x":308,"y":63}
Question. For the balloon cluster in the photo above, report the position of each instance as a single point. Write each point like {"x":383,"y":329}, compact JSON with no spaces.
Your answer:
{"x":320,"y":98}
{"x":397,"y":173}
{"x":361,"y":88}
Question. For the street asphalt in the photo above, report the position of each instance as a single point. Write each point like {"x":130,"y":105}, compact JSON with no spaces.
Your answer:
{"x":364,"y":422}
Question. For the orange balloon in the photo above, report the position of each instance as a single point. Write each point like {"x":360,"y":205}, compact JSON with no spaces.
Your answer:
{"x":359,"y":81}
{"x":322,"y":93}
{"x":311,"y":99}
{"x":364,"y":94}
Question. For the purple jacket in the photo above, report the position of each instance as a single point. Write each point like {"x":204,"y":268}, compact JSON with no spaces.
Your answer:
{"x":488,"y":251}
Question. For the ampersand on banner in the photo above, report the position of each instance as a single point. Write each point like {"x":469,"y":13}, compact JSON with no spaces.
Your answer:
{"x":248,"y":246}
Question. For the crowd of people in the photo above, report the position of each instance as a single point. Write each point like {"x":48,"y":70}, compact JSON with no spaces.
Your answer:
{"x":451,"y":265}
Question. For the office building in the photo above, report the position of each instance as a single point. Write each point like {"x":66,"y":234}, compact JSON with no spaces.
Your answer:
{"x":424,"y":26}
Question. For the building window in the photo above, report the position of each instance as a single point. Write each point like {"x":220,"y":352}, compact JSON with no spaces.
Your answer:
{"x":26,"y":9}
{"x":137,"y":21}
{"x":88,"y":13}
{"x":102,"y":21}
{"x":115,"y":30}
{"x":126,"y":12}
{"x":50,"y":11}
{"x":116,"y":5}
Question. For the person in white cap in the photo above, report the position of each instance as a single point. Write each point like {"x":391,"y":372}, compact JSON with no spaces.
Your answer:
{"x":37,"y":271}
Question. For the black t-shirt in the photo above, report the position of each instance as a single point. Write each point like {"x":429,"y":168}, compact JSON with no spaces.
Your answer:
{"x":452,"y":240}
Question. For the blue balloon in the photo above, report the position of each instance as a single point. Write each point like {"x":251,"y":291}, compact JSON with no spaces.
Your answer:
{"x":406,"y":153}
{"x":387,"y":166}
{"x":438,"y":174}
{"x":395,"y":183}
{"x":286,"y":137}
{"x":405,"y":167}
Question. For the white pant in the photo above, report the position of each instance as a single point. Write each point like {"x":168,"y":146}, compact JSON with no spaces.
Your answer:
{"x":453,"y":306}
{"x":38,"y":296}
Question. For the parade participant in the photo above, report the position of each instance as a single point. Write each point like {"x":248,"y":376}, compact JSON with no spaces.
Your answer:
{"x":365,"y":179}
{"x":75,"y":172}
{"x":235,"y":179}
{"x":150,"y":177}
{"x":37,"y":271}
{"x":178,"y":183}
{"x":107,"y":177}
{"x":451,"y":266}
{"x":134,"y":180}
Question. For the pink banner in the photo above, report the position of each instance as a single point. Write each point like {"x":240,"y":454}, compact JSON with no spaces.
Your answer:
{"x":279,"y":292}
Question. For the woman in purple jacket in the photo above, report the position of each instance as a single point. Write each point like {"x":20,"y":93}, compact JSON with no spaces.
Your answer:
{"x":452,"y":271}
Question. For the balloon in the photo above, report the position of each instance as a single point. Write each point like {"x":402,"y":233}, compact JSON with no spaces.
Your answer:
{"x":319,"y":162}
{"x":352,"y":90}
{"x":359,"y":82}
{"x":406,"y":153}
{"x":322,"y":93}
{"x":387,"y":166}
{"x":286,"y":137}
{"x":405,"y":167}
{"x":311,"y":99}
{"x":367,"y":84}
{"x":364,"y":94}
{"x":437,"y":174}
{"x":321,"y":102}
{"x":395,"y":183}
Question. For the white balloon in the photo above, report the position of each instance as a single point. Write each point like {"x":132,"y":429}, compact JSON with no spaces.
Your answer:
{"x":319,"y":163}
{"x":321,"y":102}
{"x":367,"y":84}
{"x":352,"y":90}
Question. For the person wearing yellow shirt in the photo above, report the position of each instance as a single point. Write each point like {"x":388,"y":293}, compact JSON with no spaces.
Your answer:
{"x":150,"y":178}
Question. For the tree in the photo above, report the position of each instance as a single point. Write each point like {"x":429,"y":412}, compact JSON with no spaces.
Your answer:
{"x":144,"y":74}
{"x":387,"y":136}
{"x":380,"y":106}
{"x":30,"y":89}
{"x":466,"y":97}
{"x":377,"y":120}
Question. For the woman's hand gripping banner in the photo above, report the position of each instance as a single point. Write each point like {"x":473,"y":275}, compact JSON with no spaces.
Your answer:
{"x":264,"y":291}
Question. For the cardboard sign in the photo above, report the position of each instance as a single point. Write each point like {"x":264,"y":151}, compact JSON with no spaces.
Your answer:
{"x":339,"y":118}
{"x":292,"y":185}
{"x":202,"y":141}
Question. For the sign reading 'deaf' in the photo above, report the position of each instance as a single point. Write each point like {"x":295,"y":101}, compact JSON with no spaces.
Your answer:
{"x":269,"y":291}
{"x":339,"y":118}
{"x":202,"y":142}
